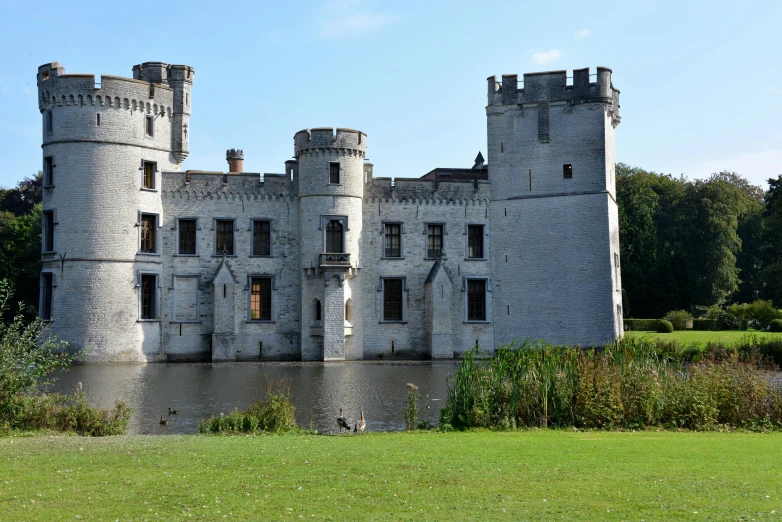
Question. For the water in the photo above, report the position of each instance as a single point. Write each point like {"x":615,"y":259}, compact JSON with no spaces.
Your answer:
{"x":318,"y":390}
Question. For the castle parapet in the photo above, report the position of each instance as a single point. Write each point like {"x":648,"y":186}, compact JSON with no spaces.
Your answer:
{"x":552,"y":86}
{"x":327,"y":138}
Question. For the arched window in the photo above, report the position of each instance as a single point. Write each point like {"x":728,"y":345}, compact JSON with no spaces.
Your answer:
{"x":316,"y":311}
{"x":334,"y":236}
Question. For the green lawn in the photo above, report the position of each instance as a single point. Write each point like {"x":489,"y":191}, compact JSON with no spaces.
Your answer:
{"x":691,"y":336}
{"x":424,"y":476}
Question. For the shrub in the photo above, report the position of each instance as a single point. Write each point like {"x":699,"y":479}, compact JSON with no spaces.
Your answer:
{"x":775,"y":325}
{"x":728,"y":321}
{"x":275,"y":414}
{"x":711,"y":325}
{"x":760,"y":313}
{"x":680,"y":319}
{"x":411,"y":407}
{"x":641,"y":325}
{"x":664,"y":326}
{"x":71,"y":414}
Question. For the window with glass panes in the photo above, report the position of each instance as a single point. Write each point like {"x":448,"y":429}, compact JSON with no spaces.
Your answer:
{"x":148,"y":226}
{"x":475,"y":241}
{"x":334,"y":236}
{"x":393,"y":243}
{"x":149,"y":175}
{"x":476,"y":299}
{"x":224,"y":237}
{"x":261,"y":298}
{"x":187,"y":236}
{"x":47,"y":285}
{"x":434,"y":247}
{"x":149,"y":296}
{"x":392,"y":299}
{"x":334,"y":173}
{"x":262,"y":238}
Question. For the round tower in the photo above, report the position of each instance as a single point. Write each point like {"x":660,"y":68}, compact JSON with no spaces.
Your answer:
{"x":105,"y":144}
{"x":331,"y":192}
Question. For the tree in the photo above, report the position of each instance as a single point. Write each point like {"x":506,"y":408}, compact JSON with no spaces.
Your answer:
{"x":21,"y":200}
{"x":20,"y":253}
{"x":771,"y":274}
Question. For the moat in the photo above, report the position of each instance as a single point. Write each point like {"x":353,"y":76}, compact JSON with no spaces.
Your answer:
{"x":318,"y":390}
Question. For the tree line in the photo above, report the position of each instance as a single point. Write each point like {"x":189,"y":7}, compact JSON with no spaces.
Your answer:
{"x":684,"y":243}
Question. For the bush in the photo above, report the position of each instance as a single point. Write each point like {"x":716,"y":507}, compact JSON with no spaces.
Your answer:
{"x":275,"y":414}
{"x":760,"y":313}
{"x":664,"y":326}
{"x":411,"y":407}
{"x":711,"y":325}
{"x":641,"y":325}
{"x":775,"y":325}
{"x":680,"y":319}
{"x":71,"y":414}
{"x":728,"y":321}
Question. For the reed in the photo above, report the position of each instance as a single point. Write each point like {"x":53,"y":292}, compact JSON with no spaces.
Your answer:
{"x":629,"y":384}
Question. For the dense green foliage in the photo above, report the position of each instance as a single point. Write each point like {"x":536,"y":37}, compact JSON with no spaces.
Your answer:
{"x":480,"y":475}
{"x":776,"y":325}
{"x":688,"y":243}
{"x":70,"y":414}
{"x":275,"y":414}
{"x":629,"y":384}
{"x":679,"y":319}
{"x":641,"y":325}
{"x":664,"y":326}
{"x":711,"y":325}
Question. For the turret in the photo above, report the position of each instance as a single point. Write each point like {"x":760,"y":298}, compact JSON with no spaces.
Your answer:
{"x":180,"y":78}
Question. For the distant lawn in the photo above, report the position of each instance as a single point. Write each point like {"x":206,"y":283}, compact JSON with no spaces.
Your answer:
{"x":541,"y":475}
{"x":691,"y":336}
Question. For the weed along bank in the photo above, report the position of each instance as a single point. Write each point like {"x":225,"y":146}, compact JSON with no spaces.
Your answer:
{"x":143,"y":261}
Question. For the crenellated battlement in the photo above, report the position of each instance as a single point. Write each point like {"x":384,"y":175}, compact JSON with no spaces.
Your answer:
{"x":553,"y":86}
{"x":424,"y":191}
{"x":327,"y":138}
{"x":218,"y":185}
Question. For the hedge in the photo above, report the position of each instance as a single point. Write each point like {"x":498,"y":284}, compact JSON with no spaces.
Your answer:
{"x":775,"y":325}
{"x":664,"y":326}
{"x":642,"y":325}
{"x":711,"y":325}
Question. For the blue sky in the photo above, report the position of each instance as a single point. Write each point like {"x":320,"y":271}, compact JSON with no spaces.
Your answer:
{"x":701,"y":81}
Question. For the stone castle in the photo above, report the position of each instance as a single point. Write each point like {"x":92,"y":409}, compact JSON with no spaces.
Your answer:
{"x":145,"y":262}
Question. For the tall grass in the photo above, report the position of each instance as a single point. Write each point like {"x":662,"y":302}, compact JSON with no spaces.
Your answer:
{"x":628,"y":384}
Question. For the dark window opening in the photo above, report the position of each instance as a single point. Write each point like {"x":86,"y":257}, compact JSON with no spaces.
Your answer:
{"x":334,"y":173}
{"x":476,"y":300}
{"x":97,"y":120}
{"x":49,"y":121}
{"x":48,"y":171}
{"x":148,"y":228}
{"x":393,"y":243}
{"x":261,"y":299}
{"x":392,"y":299}
{"x":475,"y":241}
{"x":149,"y":175}
{"x":435,"y":241}
{"x":48,"y":231}
{"x":148,"y":296}
{"x":262,"y":238}
{"x":317,"y":311}
{"x":224,"y":240}
{"x":47,"y":285}
{"x":187,"y":236}
{"x":150,"y":126}
{"x":567,"y":171}
{"x":334,"y":236}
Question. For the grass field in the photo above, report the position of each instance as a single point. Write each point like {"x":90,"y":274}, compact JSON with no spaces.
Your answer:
{"x":691,"y":336}
{"x":426,"y":476}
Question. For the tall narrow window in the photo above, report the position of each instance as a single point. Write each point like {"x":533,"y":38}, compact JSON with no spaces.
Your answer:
{"x":48,"y":230}
{"x":49,"y":121}
{"x":47,"y":287}
{"x":567,"y":171}
{"x":316,"y":310}
{"x":393,"y":243}
{"x":48,"y":171}
{"x":261,"y":299}
{"x":224,"y":237}
{"x":334,"y":173}
{"x":97,"y":119}
{"x":475,"y":241}
{"x":149,"y":175}
{"x":187,"y":237}
{"x":334,"y":236}
{"x":392,"y":299}
{"x":149,"y":296}
{"x":262,"y":238}
{"x":150,"y":126}
{"x":148,"y":225}
{"x":476,"y":299}
{"x":434,"y":247}
{"x":616,"y":270}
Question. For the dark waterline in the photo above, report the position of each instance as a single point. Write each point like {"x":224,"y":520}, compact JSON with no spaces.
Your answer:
{"x":318,"y":390}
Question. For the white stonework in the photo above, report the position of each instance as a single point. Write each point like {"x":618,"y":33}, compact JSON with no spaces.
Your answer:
{"x":549,"y":243}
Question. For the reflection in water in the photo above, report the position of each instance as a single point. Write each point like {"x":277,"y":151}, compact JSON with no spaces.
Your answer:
{"x":318,"y":391}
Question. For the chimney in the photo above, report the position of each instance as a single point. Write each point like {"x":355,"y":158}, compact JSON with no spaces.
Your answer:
{"x":235,"y":159}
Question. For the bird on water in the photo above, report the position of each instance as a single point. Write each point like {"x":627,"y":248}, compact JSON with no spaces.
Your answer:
{"x":342,"y":422}
{"x":163,"y":421}
{"x":361,"y":424}
{"x":173,"y":412}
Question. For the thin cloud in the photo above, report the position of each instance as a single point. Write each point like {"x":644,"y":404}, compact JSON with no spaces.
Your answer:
{"x":582,"y":33}
{"x":343,"y":26}
{"x":540,"y":57}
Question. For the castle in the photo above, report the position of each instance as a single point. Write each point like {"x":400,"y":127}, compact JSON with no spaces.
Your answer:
{"x":142,"y":261}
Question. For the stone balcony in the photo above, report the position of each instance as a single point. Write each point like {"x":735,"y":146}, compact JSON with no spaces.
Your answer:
{"x":334,"y":260}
